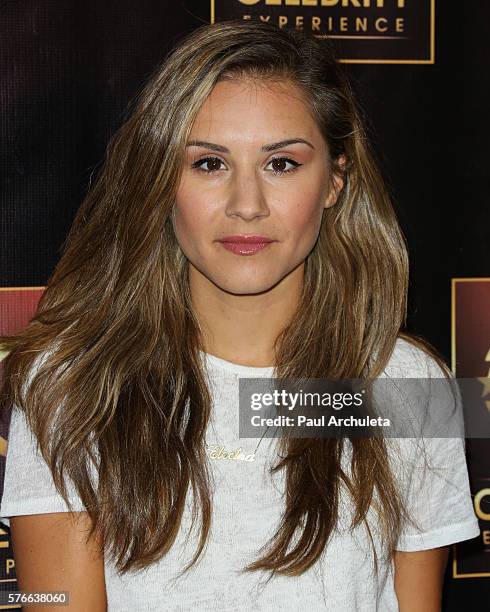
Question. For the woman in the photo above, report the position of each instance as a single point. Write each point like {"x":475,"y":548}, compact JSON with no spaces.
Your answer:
{"x":239,"y":228}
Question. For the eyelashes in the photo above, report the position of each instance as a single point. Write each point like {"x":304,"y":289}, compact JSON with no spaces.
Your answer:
{"x":197,"y":165}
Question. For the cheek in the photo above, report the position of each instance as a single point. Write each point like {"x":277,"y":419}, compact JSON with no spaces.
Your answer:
{"x":183,"y":221}
{"x":186,"y":229}
{"x":303,"y":219}
{"x":189,"y":217}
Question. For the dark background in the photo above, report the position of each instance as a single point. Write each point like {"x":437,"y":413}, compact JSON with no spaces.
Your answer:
{"x":69,"y":69}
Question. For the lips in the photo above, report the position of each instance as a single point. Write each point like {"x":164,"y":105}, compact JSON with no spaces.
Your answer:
{"x":244,"y":239}
{"x":245,"y":245}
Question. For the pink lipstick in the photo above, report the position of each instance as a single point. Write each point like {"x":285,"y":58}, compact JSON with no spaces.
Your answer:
{"x":245,"y":245}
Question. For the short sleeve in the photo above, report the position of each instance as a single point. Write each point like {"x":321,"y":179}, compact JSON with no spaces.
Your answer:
{"x":438,"y":495}
{"x":28,"y":484}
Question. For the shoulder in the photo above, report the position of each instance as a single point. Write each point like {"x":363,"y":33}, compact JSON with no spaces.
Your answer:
{"x":409,"y":360}
{"x":433,"y":404}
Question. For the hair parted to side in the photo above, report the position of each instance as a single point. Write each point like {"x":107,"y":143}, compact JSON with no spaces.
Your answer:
{"x":118,"y":379}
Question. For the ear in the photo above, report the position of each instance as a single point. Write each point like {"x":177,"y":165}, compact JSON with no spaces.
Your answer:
{"x":338,"y":182}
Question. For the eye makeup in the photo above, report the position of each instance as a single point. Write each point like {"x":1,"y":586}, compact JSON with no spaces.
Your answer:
{"x":197,"y":165}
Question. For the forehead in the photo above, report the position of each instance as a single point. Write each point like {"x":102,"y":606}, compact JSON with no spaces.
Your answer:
{"x":255,"y":110}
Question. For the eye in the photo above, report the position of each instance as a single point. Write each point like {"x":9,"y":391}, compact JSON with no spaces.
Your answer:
{"x":281,"y":161}
{"x":215,"y":161}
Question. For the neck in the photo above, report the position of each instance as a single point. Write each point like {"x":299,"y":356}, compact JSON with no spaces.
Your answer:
{"x":243,"y":328}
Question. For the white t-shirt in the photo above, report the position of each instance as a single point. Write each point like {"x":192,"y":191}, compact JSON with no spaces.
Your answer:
{"x":247,"y":507}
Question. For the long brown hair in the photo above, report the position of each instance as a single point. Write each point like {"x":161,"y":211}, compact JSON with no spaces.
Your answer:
{"x":118,"y":379}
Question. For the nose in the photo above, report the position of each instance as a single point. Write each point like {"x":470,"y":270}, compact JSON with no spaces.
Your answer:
{"x":246,"y":198}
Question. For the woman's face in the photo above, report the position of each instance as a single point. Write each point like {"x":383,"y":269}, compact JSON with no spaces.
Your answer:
{"x":244,"y":178}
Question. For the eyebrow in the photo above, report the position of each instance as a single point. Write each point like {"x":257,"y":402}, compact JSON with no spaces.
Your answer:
{"x":268,"y":147}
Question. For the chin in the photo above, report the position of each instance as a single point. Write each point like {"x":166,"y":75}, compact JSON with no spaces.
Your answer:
{"x":246,"y":287}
